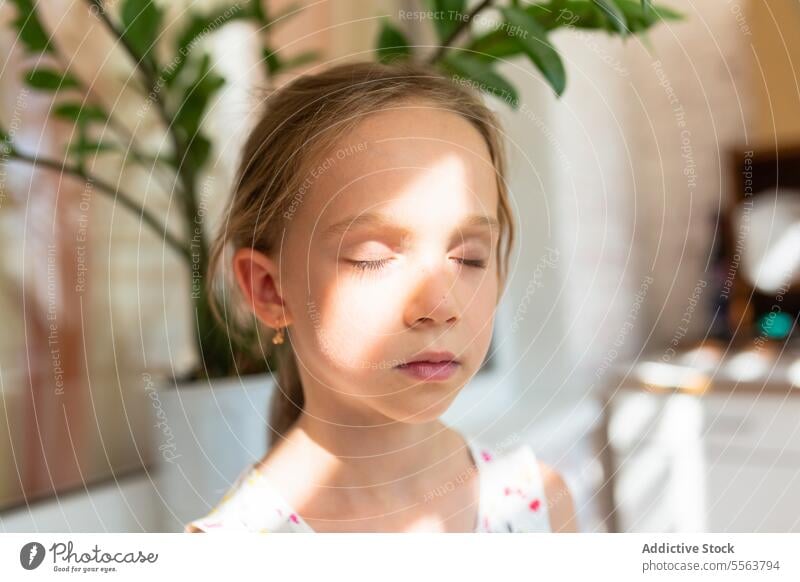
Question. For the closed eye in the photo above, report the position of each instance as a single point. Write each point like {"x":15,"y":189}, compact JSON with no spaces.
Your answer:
{"x":473,"y":263}
{"x":370,"y":265}
{"x":377,"y":265}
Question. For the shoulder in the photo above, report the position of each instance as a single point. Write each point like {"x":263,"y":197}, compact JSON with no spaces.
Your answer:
{"x":559,"y":500}
{"x":249,"y":505}
{"x":230,"y":512}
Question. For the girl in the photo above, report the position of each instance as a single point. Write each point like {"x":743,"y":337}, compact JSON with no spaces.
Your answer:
{"x":371,"y":227}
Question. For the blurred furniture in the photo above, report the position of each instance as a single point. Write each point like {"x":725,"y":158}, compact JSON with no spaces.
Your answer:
{"x":709,"y":441}
{"x":761,"y":242}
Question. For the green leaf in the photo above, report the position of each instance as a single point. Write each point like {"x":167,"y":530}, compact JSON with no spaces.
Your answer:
{"x":171,"y":71}
{"x":257,"y":11}
{"x":202,"y":25}
{"x":537,"y":47}
{"x":46,"y":79}
{"x":260,"y":15}
{"x":573,"y":13}
{"x":664,"y":13}
{"x":568,"y":13}
{"x":481,"y":75}
{"x":639,"y":20}
{"x":584,"y":14}
{"x":300,"y":59}
{"x":197,"y":97}
{"x":141,"y":20}
{"x":198,"y":152}
{"x":646,"y":5}
{"x":5,"y":143}
{"x":29,"y":30}
{"x":79,"y":112}
{"x":189,"y":116}
{"x":615,"y":16}
{"x":271,"y":60}
{"x":199,"y":26}
{"x":275,"y":63}
{"x":86,"y":148}
{"x":449,"y":15}
{"x":392,"y":43}
{"x":494,"y":45}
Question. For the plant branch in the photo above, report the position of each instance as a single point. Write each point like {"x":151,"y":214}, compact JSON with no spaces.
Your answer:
{"x":462,"y":24}
{"x":124,"y":199}
{"x":150,"y":78}
{"x":111,"y":120}
{"x":124,"y":134}
{"x":141,"y":64}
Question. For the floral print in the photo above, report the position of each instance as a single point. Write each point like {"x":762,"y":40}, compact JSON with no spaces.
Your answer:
{"x":511,"y":498}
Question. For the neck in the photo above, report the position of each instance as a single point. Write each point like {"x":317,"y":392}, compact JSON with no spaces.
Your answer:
{"x":367,"y":449}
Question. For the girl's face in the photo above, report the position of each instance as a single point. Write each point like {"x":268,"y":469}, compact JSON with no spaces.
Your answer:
{"x":389,"y":252}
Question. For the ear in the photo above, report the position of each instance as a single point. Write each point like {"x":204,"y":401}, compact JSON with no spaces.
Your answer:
{"x":256,"y":275}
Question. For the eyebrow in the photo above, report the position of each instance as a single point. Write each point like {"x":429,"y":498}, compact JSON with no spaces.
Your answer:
{"x":381,"y":221}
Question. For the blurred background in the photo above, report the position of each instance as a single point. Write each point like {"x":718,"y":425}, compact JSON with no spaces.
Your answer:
{"x":646,"y":346}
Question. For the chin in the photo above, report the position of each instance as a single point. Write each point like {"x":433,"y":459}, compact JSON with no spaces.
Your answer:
{"x":424,"y":406}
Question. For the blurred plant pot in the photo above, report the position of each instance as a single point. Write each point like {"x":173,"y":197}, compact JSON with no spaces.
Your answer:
{"x":205,"y":433}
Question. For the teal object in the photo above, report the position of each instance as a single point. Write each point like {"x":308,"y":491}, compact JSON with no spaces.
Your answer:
{"x":775,"y":325}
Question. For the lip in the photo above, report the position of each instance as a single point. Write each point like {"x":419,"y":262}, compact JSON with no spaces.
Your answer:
{"x":432,"y":357}
{"x":430,"y":366}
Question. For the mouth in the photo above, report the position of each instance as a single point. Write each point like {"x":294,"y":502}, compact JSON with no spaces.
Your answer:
{"x":430,"y":366}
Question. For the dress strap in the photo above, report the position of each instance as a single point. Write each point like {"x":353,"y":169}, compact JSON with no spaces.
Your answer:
{"x":512,"y":490}
{"x":481,"y":454}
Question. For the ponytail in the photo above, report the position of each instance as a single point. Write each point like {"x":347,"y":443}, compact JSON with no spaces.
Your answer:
{"x":288,"y":399}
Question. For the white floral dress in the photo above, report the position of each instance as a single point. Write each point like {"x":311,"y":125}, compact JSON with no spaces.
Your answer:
{"x":512,"y":498}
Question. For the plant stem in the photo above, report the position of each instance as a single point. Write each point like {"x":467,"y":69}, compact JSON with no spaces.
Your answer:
{"x":463,"y":24}
{"x":141,"y":64}
{"x":108,"y":189}
{"x":207,"y":329}
{"x":150,"y":78}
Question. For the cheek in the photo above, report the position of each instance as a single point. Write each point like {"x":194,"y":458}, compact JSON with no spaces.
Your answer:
{"x":353,"y":321}
{"x":487,"y":290}
{"x":481,"y":312}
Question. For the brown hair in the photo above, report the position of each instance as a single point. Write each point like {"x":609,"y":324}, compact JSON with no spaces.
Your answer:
{"x":300,"y":121}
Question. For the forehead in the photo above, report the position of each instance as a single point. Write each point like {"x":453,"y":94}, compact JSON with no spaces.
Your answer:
{"x":423,"y":165}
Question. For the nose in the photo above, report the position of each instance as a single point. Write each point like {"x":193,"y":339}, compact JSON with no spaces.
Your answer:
{"x":433,"y":300}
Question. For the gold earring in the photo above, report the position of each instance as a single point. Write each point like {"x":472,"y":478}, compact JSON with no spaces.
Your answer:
{"x":278,"y":337}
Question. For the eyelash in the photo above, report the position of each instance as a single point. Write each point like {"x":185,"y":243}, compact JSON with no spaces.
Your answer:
{"x":379,"y":264}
